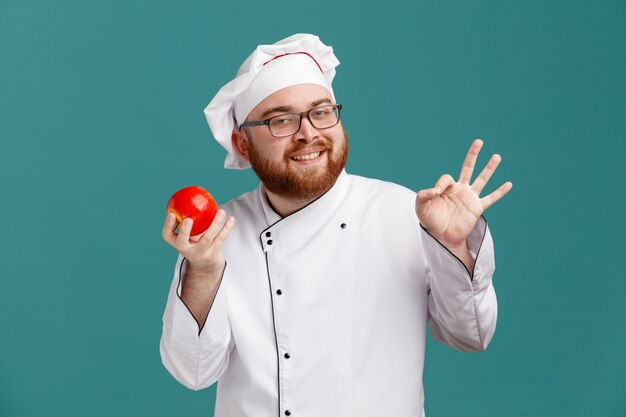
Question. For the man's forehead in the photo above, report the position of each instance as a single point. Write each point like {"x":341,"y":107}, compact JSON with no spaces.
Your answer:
{"x":296,"y":97}
{"x":297,"y":108}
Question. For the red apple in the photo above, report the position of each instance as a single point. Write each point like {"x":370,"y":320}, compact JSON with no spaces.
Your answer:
{"x":197,"y":204}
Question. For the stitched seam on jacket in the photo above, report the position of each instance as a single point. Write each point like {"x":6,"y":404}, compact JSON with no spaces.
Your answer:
{"x":480,"y":335}
{"x":269,"y":281}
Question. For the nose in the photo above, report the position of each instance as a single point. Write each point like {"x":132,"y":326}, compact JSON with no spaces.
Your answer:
{"x":307,"y":132}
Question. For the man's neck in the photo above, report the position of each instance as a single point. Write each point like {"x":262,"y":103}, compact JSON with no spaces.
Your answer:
{"x":285,"y":206}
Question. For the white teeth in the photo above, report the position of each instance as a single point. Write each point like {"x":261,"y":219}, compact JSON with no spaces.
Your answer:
{"x":306,"y":157}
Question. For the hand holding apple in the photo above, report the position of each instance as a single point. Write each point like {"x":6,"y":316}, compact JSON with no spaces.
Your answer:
{"x":203,"y":256}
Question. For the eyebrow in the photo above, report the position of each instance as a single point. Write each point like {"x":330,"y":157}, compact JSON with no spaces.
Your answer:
{"x":287,"y":109}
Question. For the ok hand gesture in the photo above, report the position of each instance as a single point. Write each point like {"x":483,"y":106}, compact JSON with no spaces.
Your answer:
{"x":450,"y":210}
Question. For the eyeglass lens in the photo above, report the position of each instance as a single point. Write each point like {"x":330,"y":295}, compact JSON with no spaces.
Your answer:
{"x":287,"y":124}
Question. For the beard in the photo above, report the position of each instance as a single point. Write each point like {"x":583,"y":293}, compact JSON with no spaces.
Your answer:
{"x":302,"y":184}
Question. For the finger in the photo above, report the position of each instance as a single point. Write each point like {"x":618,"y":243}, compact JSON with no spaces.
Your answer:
{"x":486,"y":173}
{"x":169,"y":226}
{"x":443,"y":183}
{"x":223,"y":234}
{"x":470,"y":160}
{"x":214,"y":228}
{"x":492,"y":198}
{"x":425,"y":195}
{"x":182,"y":240}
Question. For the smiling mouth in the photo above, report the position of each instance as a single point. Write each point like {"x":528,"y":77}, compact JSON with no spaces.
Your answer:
{"x":307,"y":157}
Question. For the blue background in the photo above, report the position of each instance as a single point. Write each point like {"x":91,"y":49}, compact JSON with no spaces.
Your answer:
{"x":101,"y":121}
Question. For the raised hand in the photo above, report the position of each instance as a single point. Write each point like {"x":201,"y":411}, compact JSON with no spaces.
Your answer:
{"x":449,"y":211}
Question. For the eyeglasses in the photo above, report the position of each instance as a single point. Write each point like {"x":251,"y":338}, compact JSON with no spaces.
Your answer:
{"x":287,"y":124}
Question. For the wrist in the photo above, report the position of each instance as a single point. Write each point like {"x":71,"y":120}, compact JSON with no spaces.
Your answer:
{"x":454,"y":246}
{"x":202,"y":277}
{"x":205,"y":270}
{"x":200,"y":284}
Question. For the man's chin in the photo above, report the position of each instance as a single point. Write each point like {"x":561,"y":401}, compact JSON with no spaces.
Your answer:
{"x":301,"y":181}
{"x":304,"y":172}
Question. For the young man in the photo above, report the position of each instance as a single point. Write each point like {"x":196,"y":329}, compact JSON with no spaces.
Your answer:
{"x":317,"y":302}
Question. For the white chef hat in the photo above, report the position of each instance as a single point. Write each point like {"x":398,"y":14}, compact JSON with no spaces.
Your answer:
{"x":298,"y":59}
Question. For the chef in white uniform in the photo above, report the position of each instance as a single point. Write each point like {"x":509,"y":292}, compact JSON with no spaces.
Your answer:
{"x":316,"y":302}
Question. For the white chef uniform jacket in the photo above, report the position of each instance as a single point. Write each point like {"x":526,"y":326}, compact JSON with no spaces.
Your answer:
{"x":323,"y":313}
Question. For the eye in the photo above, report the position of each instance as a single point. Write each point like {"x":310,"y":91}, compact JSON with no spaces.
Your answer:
{"x":322,"y":112}
{"x":282,"y":120}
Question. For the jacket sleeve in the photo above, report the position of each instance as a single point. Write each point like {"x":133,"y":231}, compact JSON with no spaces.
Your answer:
{"x":462,"y":307}
{"x":195,"y":358}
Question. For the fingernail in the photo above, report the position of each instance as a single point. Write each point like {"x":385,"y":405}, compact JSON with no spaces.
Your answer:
{"x":187,"y":222}
{"x":221,"y":213}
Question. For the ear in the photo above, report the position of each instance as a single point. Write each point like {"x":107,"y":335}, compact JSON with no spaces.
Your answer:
{"x":240,"y":144}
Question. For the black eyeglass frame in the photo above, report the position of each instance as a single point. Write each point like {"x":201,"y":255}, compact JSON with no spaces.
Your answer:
{"x":306,"y":114}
